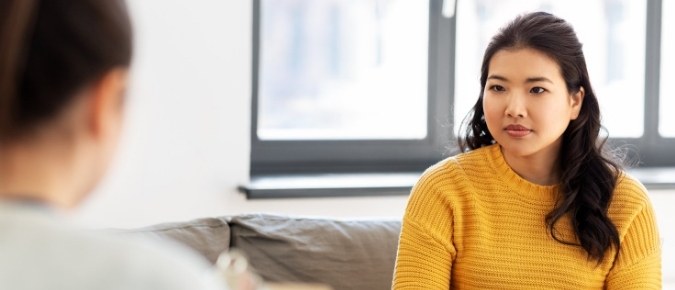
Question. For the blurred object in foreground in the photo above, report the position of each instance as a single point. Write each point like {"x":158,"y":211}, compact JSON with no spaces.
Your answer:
{"x":234,"y":269}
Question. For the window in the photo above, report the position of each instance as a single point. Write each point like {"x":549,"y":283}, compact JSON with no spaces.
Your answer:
{"x":667,"y":101}
{"x":372,"y":86}
{"x":350,"y":85}
{"x":343,"y":70}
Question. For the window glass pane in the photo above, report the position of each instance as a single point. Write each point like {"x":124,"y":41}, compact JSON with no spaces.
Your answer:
{"x":613,"y":40}
{"x":667,"y":102}
{"x":343,"y":69}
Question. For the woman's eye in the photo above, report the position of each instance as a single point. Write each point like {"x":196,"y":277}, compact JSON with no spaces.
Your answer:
{"x":497,"y":88}
{"x":537,"y":90}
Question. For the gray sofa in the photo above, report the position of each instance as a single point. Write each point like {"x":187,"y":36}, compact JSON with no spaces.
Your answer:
{"x":343,"y":254}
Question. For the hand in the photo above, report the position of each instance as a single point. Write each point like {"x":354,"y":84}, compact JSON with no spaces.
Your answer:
{"x":233,"y":268}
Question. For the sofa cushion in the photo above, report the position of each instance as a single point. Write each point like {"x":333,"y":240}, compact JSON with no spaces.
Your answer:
{"x":342,"y":254}
{"x":207,"y":236}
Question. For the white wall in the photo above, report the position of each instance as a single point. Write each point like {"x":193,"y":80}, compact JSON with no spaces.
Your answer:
{"x":186,"y":147}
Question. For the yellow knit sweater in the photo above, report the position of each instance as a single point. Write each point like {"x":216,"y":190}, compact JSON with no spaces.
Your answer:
{"x":473,"y":223}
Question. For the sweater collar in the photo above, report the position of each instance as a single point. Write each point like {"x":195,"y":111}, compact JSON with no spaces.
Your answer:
{"x":523,"y":187}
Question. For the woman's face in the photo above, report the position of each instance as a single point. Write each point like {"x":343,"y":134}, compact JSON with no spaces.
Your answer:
{"x":526,"y":102}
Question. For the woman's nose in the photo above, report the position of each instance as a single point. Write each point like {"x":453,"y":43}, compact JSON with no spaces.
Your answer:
{"x":515,"y":106}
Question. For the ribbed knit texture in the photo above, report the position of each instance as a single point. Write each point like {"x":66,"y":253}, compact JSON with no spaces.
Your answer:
{"x":473,"y":223}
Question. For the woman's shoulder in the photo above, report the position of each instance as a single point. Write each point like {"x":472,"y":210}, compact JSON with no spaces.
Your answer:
{"x":453,"y":171}
{"x":475,"y":158}
{"x":629,"y":199}
{"x":149,"y":263}
{"x":629,"y":190}
{"x":92,"y":256}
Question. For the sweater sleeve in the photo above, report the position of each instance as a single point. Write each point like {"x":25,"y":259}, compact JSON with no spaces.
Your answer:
{"x":425,"y":251}
{"x":638,"y":265}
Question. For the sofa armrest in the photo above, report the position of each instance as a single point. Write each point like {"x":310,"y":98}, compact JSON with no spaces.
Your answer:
{"x":343,"y":254}
{"x":207,"y":236}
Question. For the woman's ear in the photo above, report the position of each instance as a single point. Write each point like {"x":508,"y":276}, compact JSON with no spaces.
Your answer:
{"x":106,"y":105}
{"x":576,"y":101}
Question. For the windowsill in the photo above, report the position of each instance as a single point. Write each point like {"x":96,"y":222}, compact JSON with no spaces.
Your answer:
{"x":386,"y":184}
{"x":330,"y":185}
{"x":655,"y":177}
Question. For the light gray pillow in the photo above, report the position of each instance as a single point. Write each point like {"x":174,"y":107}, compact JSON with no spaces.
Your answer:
{"x":207,"y":236}
{"x":343,"y":254}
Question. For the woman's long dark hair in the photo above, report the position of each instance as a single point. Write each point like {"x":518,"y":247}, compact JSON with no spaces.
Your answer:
{"x":51,"y":49}
{"x":587,"y":176}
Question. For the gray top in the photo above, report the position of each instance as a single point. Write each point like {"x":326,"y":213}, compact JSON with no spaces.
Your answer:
{"x":38,"y":250}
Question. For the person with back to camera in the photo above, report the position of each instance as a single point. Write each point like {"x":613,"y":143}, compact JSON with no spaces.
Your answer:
{"x":534,"y":202}
{"x":63,"y":73}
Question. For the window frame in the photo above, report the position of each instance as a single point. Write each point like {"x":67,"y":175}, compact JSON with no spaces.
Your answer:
{"x":270,"y":157}
{"x":281,"y":157}
{"x":654,"y":149}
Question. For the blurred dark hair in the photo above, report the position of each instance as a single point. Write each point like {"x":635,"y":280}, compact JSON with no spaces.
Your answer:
{"x":51,"y":49}
{"x":588,"y":177}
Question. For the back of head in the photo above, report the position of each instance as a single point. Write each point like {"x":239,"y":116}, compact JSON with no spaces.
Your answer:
{"x":49,"y":50}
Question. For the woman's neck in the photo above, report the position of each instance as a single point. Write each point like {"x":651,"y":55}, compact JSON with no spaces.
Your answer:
{"x":36,"y":173}
{"x":540,"y":168}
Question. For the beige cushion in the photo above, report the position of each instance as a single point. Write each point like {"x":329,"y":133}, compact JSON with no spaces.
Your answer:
{"x":343,"y":254}
{"x":207,"y":236}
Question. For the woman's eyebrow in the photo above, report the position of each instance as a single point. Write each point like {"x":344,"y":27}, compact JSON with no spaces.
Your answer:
{"x":538,"y":79}
{"x":498,"y":77}
{"x":528,"y":80}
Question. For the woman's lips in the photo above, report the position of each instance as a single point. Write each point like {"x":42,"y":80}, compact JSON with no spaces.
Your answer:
{"x":517,"y":131}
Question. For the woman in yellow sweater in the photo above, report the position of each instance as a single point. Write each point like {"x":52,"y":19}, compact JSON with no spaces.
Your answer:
{"x":533,"y":202}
